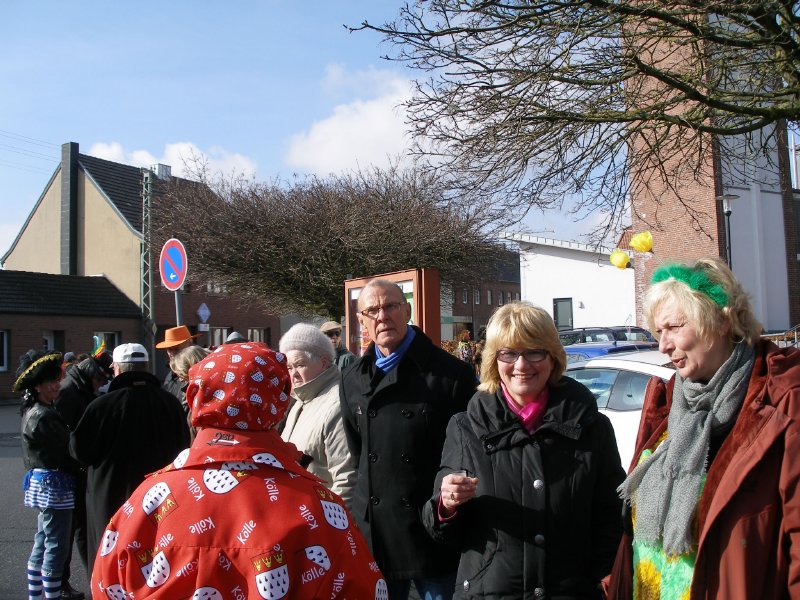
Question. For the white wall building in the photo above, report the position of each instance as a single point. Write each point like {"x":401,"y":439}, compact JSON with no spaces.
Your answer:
{"x":575,"y":282}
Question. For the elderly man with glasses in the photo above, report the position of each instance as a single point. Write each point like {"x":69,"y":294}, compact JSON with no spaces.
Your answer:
{"x":396,"y":402}
{"x":344,"y":357}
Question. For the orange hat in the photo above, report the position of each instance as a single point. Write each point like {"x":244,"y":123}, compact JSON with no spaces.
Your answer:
{"x":175,"y":336}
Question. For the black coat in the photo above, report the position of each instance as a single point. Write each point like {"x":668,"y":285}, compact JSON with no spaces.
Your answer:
{"x":134,"y":429}
{"x":546,"y":519}
{"x":174,"y":385}
{"x":45,"y":440}
{"x":395,"y":426}
{"x":74,"y":396}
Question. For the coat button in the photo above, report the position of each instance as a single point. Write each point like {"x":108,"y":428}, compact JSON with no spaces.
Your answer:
{"x":489,"y":446}
{"x":373,"y":457}
{"x":371,"y":413}
{"x":539,"y":592}
{"x":466,"y":585}
{"x":538,"y":484}
{"x":406,"y":458}
{"x":406,"y":413}
{"x":375,"y":500}
{"x":405,"y":502}
{"x":538,"y":539}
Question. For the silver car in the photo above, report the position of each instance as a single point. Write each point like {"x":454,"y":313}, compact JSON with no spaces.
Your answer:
{"x":618,"y":383}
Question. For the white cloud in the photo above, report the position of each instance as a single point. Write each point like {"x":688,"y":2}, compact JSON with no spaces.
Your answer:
{"x":178,"y":155}
{"x":368,"y":130}
{"x":369,"y":82}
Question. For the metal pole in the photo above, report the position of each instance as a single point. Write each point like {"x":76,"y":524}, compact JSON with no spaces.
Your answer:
{"x":178,"y":312}
{"x":728,"y":236}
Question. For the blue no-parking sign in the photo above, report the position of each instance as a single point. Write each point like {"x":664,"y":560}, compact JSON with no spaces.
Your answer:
{"x":173,"y":265}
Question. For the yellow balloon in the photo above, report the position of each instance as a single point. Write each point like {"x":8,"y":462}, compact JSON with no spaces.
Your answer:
{"x":642,"y":242}
{"x":620,"y":259}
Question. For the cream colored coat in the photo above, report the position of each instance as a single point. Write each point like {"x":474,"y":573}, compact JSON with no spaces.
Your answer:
{"x":315,"y":426}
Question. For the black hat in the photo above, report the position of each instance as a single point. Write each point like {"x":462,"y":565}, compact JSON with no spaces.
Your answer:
{"x":103,"y":360}
{"x":97,"y":366}
{"x":36,"y":367}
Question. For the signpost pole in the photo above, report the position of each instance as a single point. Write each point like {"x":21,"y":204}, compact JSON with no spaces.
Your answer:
{"x":178,"y":311}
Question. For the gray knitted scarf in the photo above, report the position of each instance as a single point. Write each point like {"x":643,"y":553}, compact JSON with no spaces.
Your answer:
{"x":665,"y":488}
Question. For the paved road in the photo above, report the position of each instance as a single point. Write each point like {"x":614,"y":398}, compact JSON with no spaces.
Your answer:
{"x":17,"y":523}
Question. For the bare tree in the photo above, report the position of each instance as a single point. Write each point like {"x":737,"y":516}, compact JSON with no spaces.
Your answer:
{"x":292,"y":246}
{"x":536,"y":101}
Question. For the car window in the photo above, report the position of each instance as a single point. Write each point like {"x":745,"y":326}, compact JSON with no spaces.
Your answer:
{"x":572,"y":337}
{"x":573,"y":357}
{"x":628,"y":392}
{"x":634,"y":334}
{"x":599,"y":381}
{"x":602,"y":336}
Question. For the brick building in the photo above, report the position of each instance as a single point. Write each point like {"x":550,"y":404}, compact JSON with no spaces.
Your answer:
{"x":688,"y":218}
{"x":474,"y":302}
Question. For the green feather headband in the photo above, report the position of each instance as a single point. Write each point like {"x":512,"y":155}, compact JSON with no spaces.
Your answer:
{"x":696,"y":279}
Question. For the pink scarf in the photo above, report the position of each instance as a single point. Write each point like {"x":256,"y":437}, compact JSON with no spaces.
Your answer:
{"x":531,"y":414}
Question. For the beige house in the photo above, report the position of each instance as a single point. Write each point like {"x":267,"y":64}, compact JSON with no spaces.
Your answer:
{"x":88,"y":221}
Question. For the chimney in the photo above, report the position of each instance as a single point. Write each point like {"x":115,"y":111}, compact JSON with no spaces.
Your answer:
{"x":69,"y":208}
{"x":162,"y":171}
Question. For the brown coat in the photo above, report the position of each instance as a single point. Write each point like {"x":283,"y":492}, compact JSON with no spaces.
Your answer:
{"x":749,"y":512}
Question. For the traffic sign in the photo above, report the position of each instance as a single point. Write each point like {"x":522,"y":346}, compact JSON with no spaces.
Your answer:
{"x":173,"y":265}
{"x":203,"y":312}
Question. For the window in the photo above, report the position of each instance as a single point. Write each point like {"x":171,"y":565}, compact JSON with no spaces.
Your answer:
{"x":256,"y":334}
{"x":109,"y":338}
{"x":477,"y":296}
{"x":516,"y":296}
{"x":489,"y":297}
{"x":562,"y":313}
{"x":500,"y":298}
{"x":628,"y":392}
{"x":218,"y":335}
{"x":3,"y":350}
{"x":599,"y":381}
{"x":465,"y":296}
{"x":216,"y":288}
{"x":796,"y":207}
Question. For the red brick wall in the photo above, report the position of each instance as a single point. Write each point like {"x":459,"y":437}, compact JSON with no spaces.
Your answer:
{"x":479,"y":313}
{"x":25,"y":332}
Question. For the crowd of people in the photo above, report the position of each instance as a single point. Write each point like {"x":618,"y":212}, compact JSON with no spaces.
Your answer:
{"x":309,"y":472}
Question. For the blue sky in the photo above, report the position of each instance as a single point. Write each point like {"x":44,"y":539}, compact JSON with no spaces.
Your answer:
{"x":267,"y":88}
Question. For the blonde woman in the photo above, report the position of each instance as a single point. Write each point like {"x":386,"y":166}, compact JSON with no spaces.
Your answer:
{"x":527,"y":486}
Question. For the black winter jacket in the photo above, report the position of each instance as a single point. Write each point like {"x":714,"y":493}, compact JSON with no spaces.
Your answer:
{"x":74,"y":396}
{"x":546,"y":519}
{"x":174,"y":385}
{"x":45,"y":440}
{"x":133,"y":430}
{"x":395,"y":426}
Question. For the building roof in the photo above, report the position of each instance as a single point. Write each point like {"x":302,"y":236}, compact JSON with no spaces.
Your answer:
{"x":121,"y":183}
{"x":23,"y":292}
{"x":534,"y":240}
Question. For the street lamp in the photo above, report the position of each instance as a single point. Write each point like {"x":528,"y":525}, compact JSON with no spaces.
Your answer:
{"x":726,"y":200}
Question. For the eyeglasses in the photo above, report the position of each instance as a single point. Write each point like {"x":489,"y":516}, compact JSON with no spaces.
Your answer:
{"x":531,"y":356}
{"x":390,"y":308}
{"x":336,"y":333}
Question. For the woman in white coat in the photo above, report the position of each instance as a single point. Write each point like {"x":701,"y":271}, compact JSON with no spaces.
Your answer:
{"x":314,"y":423}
